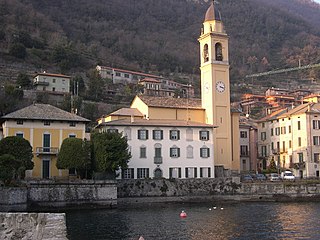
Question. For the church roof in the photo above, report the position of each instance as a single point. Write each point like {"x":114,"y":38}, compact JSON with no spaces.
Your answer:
{"x":127,"y":112}
{"x":170,"y":102}
{"x":212,"y":13}
{"x":44,"y":112}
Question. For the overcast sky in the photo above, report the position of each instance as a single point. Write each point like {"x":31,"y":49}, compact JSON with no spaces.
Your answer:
{"x":318,"y":1}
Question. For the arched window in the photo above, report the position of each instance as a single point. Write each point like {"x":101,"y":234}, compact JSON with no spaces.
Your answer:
{"x":218,"y":48}
{"x":205,"y":53}
{"x":157,"y":173}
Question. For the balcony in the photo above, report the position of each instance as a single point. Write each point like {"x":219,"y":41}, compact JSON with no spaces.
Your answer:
{"x":299,"y":165}
{"x":47,"y":151}
{"x":276,"y":151}
{"x":157,"y":160}
{"x":244,"y":154}
{"x":40,"y":83}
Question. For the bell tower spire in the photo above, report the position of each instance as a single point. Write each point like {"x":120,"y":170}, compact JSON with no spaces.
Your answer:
{"x":215,"y":86}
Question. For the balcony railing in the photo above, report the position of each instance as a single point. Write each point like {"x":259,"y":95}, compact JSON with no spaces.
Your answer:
{"x":47,"y":150}
{"x":276,"y":151}
{"x":41,"y":83}
{"x":244,"y":154}
{"x":157,"y":160}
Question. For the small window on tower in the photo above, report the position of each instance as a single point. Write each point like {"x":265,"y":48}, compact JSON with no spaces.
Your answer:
{"x":205,"y":53}
{"x":218,"y":52}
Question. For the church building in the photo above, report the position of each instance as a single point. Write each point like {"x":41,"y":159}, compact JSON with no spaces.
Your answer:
{"x":185,"y":137}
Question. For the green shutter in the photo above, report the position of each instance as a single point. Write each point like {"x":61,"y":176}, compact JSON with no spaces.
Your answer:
{"x":179,"y":170}
{"x":186,"y":172}
{"x":195,"y":173}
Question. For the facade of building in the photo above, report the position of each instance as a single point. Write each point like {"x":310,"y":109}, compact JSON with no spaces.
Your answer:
{"x":52,"y":82}
{"x":291,"y":138}
{"x":165,"y":148}
{"x":45,"y":127}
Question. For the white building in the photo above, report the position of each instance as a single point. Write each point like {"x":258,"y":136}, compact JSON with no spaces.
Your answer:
{"x":52,"y":82}
{"x":166,"y":148}
{"x":291,"y":137}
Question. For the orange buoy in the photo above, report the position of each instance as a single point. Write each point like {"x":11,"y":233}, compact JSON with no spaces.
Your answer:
{"x":183,"y":214}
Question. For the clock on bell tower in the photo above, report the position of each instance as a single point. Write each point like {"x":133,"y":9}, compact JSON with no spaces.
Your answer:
{"x":215,"y":86}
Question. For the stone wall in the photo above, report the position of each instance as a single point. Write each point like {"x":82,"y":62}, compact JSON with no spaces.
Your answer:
{"x":59,"y":194}
{"x":36,"y":226}
{"x":221,"y":189}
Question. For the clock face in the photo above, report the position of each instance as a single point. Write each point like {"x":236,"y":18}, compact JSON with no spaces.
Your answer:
{"x":220,"y":87}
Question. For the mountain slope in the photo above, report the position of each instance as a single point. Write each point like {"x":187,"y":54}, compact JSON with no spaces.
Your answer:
{"x":154,"y":35}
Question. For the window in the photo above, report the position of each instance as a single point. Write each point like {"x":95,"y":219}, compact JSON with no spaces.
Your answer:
{"x":157,"y":154}
{"x":189,"y":152}
{"x":243,"y":134}
{"x":72,"y":135}
{"x":316,"y":140}
{"x":272,"y":146}
{"x":127,"y":133}
{"x":142,"y":173}
{"x":244,"y":150}
{"x":72,"y":124}
{"x":19,"y":134}
{"x":290,"y":129}
{"x":283,"y":130}
{"x":271,"y":133}
{"x":218,"y":48}
{"x":316,"y":124}
{"x":316,"y":157}
{"x":143,"y":134}
{"x":174,"y":152}
{"x":46,"y":142}
{"x":283,"y":146}
{"x":53,"y":89}
{"x":19,"y":122}
{"x":299,"y":125}
{"x":263,"y":151}
{"x":53,"y":80}
{"x":189,"y":132}
{"x":205,"y":53}
{"x":175,"y":172}
{"x":143,"y":152}
{"x":174,"y":134}
{"x":128,"y":173}
{"x":277,"y":131}
{"x":204,"y":152}
{"x":72,"y":172}
{"x":204,"y":135}
{"x":112,"y":130}
{"x":290,"y":144}
{"x":300,"y":157}
{"x":157,"y":134}
{"x":299,"y":141}
{"x":263,"y":125}
{"x":263,"y":136}
{"x":118,"y":74}
{"x":46,"y":123}
{"x":205,"y":172}
{"x":191,"y":172}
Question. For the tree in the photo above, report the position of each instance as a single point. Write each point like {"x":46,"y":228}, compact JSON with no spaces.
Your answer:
{"x":74,"y":153}
{"x":8,"y":168}
{"x":110,"y":152}
{"x":23,"y":80}
{"x":18,"y":50}
{"x":95,"y":86}
{"x":21,"y":150}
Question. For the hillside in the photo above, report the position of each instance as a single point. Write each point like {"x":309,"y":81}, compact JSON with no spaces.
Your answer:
{"x":153,"y":35}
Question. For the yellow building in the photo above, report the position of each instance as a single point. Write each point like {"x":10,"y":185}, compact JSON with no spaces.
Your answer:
{"x":45,"y":127}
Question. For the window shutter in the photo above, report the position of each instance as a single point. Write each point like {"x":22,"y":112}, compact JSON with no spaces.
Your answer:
{"x":161,"y":134}
{"x":139,"y":134}
{"x":201,"y":154}
{"x":195,"y":172}
{"x":147,"y":173}
{"x":153,"y":134}
{"x":132,"y":172}
{"x":147,"y":134}
{"x":207,"y":135}
{"x":170,"y":134}
{"x":178,"y":134}
{"x":208,"y":149}
{"x":178,"y":152}
{"x":170,"y":172}
{"x":209,"y":172}
{"x":179,"y":170}
{"x":200,"y":135}
{"x":201,"y":174}
{"x":170,"y":152}
{"x":186,"y":170}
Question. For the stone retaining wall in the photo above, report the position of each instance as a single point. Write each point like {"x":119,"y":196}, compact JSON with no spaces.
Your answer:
{"x":36,"y":226}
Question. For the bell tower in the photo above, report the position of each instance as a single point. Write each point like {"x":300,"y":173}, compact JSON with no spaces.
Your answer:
{"x":215,"y":85}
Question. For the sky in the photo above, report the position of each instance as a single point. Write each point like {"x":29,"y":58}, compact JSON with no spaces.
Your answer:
{"x":318,"y":1}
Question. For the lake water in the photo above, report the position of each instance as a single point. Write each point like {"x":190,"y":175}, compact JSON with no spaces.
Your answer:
{"x":235,"y":221}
